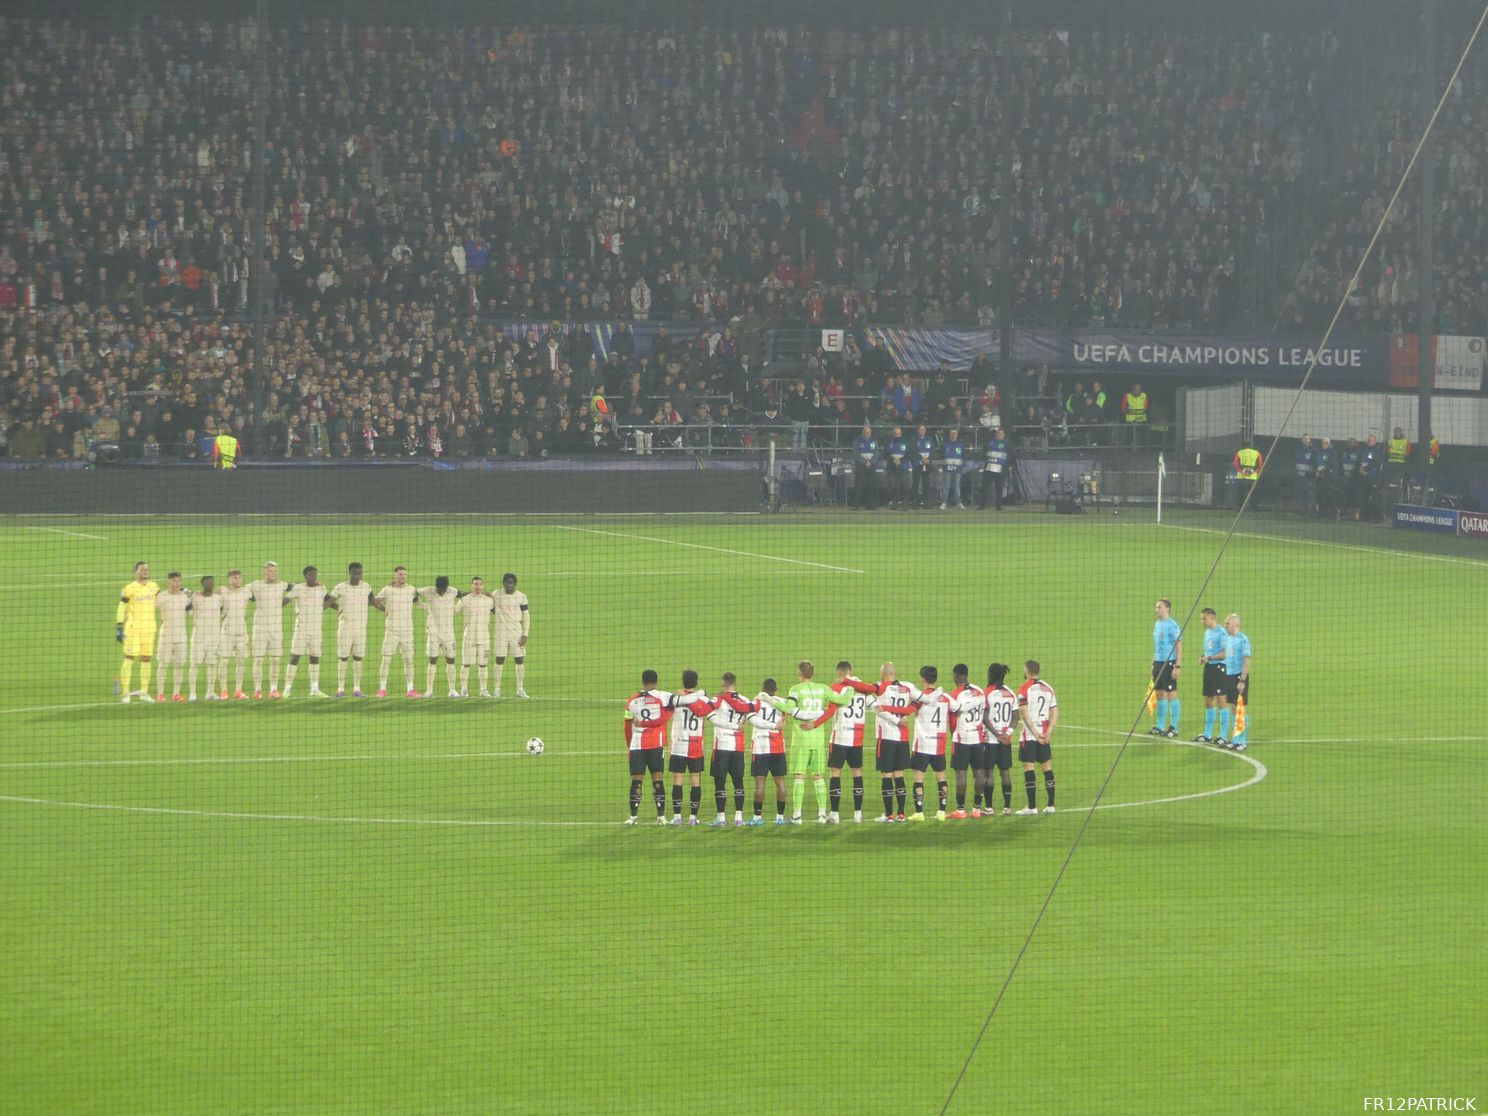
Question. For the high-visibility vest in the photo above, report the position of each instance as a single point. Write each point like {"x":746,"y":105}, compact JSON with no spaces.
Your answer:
{"x":599,"y":408}
{"x":226,"y":451}
{"x":1136,"y":407}
{"x":1248,"y":464}
{"x":1433,"y":452}
{"x":1397,"y":451}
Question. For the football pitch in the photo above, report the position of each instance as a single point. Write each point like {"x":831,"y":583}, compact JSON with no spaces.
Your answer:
{"x":389,"y":906}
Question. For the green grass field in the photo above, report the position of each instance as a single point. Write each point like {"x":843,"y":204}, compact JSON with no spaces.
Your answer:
{"x":389,"y":907}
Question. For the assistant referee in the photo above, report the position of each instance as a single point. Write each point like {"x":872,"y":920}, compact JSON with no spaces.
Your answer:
{"x":1167,"y":655}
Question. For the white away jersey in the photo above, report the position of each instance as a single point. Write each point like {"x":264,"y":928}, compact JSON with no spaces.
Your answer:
{"x":234,"y":610}
{"x":173,"y":609}
{"x":477,"y":609}
{"x":512,"y":616}
{"x":207,"y":613}
{"x":352,"y":602}
{"x":441,"y":612}
{"x":399,"y":601}
{"x":309,"y":603}
{"x":268,"y":601}
{"x":969,"y":705}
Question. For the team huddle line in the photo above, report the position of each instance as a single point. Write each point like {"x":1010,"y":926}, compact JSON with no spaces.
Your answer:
{"x":152,"y":625}
{"x":915,"y":729}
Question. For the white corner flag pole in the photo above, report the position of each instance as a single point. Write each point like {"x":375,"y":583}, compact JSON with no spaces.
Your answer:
{"x":1162,"y":471}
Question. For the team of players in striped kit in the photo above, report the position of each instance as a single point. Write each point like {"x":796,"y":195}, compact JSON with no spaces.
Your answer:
{"x":916,"y":729}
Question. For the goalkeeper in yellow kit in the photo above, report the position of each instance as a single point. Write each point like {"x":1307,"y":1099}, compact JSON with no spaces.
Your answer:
{"x":134,"y":627}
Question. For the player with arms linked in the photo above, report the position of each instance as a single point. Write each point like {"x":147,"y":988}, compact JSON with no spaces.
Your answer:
{"x":646,"y":716}
{"x":1039,"y":710}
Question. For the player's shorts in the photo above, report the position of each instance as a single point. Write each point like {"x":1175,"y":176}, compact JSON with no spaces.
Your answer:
{"x":924,"y":761}
{"x":1214,"y":679}
{"x":268,"y":641}
{"x":397,"y":643}
{"x":968,"y":755}
{"x":685,"y":765}
{"x":726,"y":765}
{"x":1162,"y":678}
{"x":139,"y":644}
{"x":1001,"y":755}
{"x":1232,"y":689}
{"x":475,"y":654}
{"x":845,"y":755}
{"x":808,"y":759}
{"x":645,"y":759}
{"x":234,"y":645}
{"x":171,"y":650}
{"x":893,"y":755}
{"x":438,"y":647}
{"x":507,"y":646}
{"x":771,"y":763}
{"x":351,"y":643}
{"x":1031,"y":751}
{"x":307,"y":641}
{"x":205,"y":650}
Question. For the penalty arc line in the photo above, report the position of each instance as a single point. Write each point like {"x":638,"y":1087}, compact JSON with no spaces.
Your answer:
{"x":1259,"y":773}
{"x":71,"y":534}
{"x":714,"y":549}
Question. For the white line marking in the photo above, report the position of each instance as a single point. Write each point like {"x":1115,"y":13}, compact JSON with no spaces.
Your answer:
{"x":209,"y":761}
{"x":475,"y":703}
{"x":715,"y":549}
{"x":1335,"y":546}
{"x":1259,"y":774}
{"x":73,"y":534}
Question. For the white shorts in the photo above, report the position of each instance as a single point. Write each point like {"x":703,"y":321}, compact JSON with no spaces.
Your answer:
{"x":268,"y":641}
{"x":475,"y":654}
{"x":507,"y":645}
{"x":440,"y":646}
{"x":171,"y":650}
{"x":206,"y":650}
{"x":351,"y":643}
{"x":234,"y":645}
{"x":397,"y":643}
{"x":307,"y":641}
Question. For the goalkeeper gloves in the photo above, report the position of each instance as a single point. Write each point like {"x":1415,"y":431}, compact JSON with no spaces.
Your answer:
{"x":118,"y":633}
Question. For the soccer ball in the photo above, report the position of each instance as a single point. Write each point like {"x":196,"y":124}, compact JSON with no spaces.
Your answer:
{"x":535,"y":746}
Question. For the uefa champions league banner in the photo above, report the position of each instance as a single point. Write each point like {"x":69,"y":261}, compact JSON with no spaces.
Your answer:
{"x":1446,"y":521}
{"x":1355,"y":362}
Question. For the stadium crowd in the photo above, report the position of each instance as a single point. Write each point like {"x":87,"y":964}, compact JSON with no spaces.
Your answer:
{"x":423,"y":184}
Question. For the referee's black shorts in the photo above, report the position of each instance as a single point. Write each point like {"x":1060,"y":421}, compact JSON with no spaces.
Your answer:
{"x":1214,"y":680}
{"x":1163,"y":680}
{"x":1232,"y":689}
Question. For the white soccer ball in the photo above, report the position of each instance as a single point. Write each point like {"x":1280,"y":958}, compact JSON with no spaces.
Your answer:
{"x":535,"y":746}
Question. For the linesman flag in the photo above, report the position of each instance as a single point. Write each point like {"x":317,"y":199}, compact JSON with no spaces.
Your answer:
{"x":1151,"y":698}
{"x":1239,"y":715}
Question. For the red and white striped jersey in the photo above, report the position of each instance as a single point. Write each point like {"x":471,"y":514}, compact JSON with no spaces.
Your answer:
{"x":646,"y":717}
{"x":895,"y":703}
{"x":728,"y":717}
{"x":852,"y":717}
{"x":767,"y":736}
{"x":932,"y":721}
{"x":968,"y":711}
{"x":1002,"y":711}
{"x":1037,"y":696}
{"x":690,"y":707}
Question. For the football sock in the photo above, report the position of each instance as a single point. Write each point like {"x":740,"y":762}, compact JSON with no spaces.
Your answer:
{"x":1007,"y":796}
{"x":720,"y":796}
{"x":273,"y":674}
{"x":449,"y":673}
{"x":677,"y":799}
{"x":943,"y":788}
{"x":658,"y":792}
{"x":1049,"y":786}
{"x":888,"y":796}
{"x":145,"y":667}
{"x":759,"y":806}
{"x":1209,"y":721}
{"x":176,"y":680}
{"x":125,"y":675}
{"x":919,"y":798}
{"x":695,"y":798}
{"x":635,"y":797}
{"x":961,"y":793}
{"x":835,"y":793}
{"x":899,"y":791}
{"x":289,"y":675}
{"x":431,"y":675}
{"x":1225,"y":720}
{"x":779,"y":807}
{"x":823,"y":796}
{"x":497,"y":672}
{"x":1162,"y":713}
{"x":857,"y":793}
{"x":356,"y":674}
{"x":387,"y":663}
{"x":241,"y":675}
{"x":797,"y":793}
{"x":1174,"y":708}
{"x":341,"y":675}
{"x":521,"y":676}
{"x":191,"y":680}
{"x":314,"y":677}
{"x":1030,"y":785}
{"x":739,"y":801}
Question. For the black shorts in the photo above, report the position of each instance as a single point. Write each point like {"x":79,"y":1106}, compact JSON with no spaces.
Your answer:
{"x":727,"y":765}
{"x":685,"y":765}
{"x":772,"y":763}
{"x":924,"y":761}
{"x":893,"y":755}
{"x":643,"y":760}
{"x":1002,"y":755}
{"x":1162,"y":678}
{"x":1214,"y":679}
{"x":968,"y":755}
{"x":1031,"y":751}
{"x":845,"y":755}
{"x":1232,"y":689}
